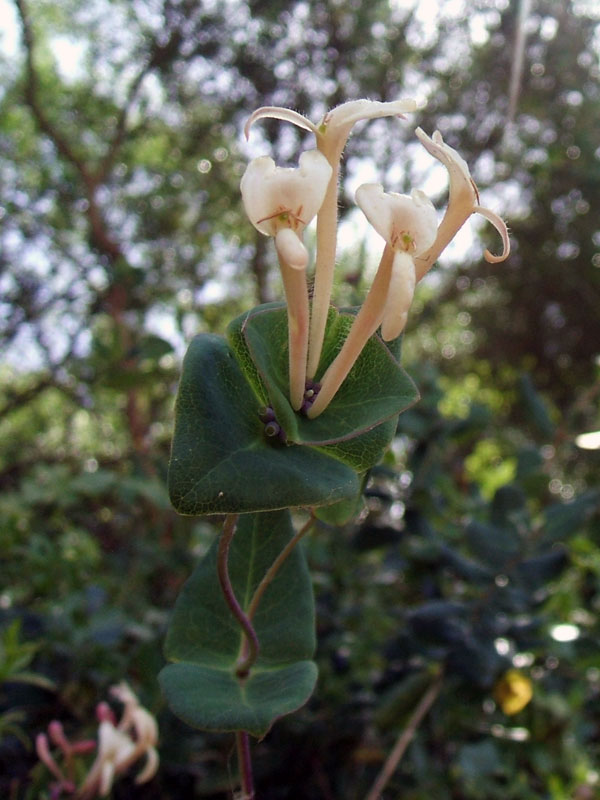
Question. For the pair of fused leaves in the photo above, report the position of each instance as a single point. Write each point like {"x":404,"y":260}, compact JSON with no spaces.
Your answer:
{"x":204,"y":639}
{"x":222,"y":461}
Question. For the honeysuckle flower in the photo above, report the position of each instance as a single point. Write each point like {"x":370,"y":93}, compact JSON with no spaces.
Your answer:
{"x":280,"y":202}
{"x":280,"y":199}
{"x":331,"y":133}
{"x":121,"y":745}
{"x":408,"y":225}
{"x":463,"y":200}
{"x":276,"y":204}
{"x":69,"y":751}
{"x":42,"y":749}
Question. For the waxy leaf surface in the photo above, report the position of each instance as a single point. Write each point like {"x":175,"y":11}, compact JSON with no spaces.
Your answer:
{"x":204,"y":639}
{"x":221,"y":460}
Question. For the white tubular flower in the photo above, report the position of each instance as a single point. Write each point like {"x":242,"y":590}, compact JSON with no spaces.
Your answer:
{"x":115,"y":749}
{"x":279,"y":198}
{"x":408,"y":224}
{"x":121,"y":745}
{"x":463,"y":200}
{"x":332,"y":133}
{"x":280,"y":202}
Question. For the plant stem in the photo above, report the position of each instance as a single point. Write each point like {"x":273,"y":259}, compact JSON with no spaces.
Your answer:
{"x":405,"y":738}
{"x":250,"y":648}
{"x":245,"y":765}
{"x":276,"y":566}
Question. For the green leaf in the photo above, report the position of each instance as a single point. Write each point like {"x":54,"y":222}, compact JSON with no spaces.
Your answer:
{"x":212,"y":699}
{"x":495,"y":545}
{"x":153,"y":347}
{"x":205,"y":639}
{"x":342,"y":512}
{"x":535,"y":407}
{"x":536,"y":572}
{"x":377,"y":388}
{"x":562,"y":520}
{"x":221,"y":460}
{"x":479,"y":759}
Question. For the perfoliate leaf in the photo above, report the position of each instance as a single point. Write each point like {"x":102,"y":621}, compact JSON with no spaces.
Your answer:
{"x":221,"y":459}
{"x":204,"y":639}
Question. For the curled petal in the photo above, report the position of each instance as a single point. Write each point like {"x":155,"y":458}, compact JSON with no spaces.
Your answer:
{"x":276,"y":197}
{"x":407,"y":223}
{"x":145,"y":726}
{"x":463,"y":200}
{"x":458,"y":169}
{"x":290,"y":249}
{"x":500,"y":226}
{"x":123,"y":692}
{"x":335,"y":127}
{"x":276,"y":112}
{"x":150,"y":768}
{"x":348,"y":114}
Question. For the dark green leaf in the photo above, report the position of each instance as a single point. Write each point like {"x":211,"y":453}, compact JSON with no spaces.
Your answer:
{"x":564,"y":519}
{"x":536,"y":407}
{"x":222,"y":461}
{"x":493,"y":544}
{"x":377,"y":388}
{"x":212,"y":699}
{"x":535,"y":572}
{"x":205,"y":639}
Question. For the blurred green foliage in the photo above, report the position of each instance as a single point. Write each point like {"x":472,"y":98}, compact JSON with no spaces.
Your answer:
{"x":476,"y":552}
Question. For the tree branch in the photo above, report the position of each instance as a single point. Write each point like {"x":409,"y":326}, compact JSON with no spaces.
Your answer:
{"x":405,"y":739}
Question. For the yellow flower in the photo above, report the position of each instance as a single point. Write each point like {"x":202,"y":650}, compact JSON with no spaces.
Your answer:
{"x":513,"y":692}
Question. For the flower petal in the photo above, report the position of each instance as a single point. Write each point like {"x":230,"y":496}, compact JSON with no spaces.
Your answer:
{"x":399,"y":298}
{"x":458,"y":169}
{"x":276,"y":197}
{"x":276,"y":112}
{"x":348,"y":114}
{"x":463,"y":197}
{"x":363,"y":327}
{"x":406,"y":222}
{"x":290,"y":249}
{"x":150,"y":767}
{"x":500,"y":226}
